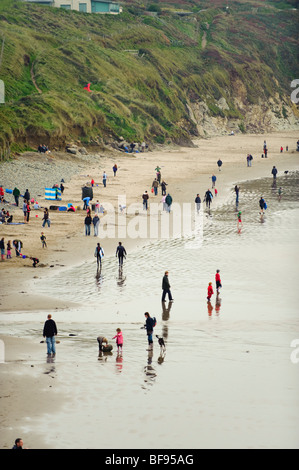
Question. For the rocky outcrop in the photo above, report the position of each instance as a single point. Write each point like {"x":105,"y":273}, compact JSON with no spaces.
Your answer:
{"x":268,"y":116}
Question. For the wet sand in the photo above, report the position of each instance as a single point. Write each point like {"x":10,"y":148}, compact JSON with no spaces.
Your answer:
{"x":211,"y":388}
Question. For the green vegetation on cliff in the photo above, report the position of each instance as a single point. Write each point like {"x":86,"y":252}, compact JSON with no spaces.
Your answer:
{"x":143,"y":70}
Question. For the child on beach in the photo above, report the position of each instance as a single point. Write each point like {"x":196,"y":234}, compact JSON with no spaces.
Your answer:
{"x":8,"y":250}
{"x":240,"y":223}
{"x":119,"y":339}
{"x":43,"y":240}
{"x":210,"y":292}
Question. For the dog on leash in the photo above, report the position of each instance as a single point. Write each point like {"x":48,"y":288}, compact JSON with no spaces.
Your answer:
{"x":161,"y":343}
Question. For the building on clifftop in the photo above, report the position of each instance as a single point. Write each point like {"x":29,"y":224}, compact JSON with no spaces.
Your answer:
{"x":85,"y":6}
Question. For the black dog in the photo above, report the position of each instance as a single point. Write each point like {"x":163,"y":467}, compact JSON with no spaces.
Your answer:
{"x":161,"y":342}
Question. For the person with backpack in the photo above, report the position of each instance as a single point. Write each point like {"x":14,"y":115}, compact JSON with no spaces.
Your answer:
{"x":150,"y":324}
{"x":168,"y":202}
{"x":166,"y":288}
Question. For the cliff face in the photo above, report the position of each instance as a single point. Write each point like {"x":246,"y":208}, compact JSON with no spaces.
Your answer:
{"x":263,"y":117}
{"x":158,"y":78}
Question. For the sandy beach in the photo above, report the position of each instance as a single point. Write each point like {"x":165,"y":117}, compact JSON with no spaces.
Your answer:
{"x":29,"y":388}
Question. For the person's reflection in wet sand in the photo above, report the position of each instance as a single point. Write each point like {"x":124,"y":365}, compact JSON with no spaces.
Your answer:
{"x":166,"y":311}
{"x":217,"y":305}
{"x":103,"y":356}
{"x":121,"y":278}
{"x":150,"y":373}
{"x":119,"y":362}
{"x":210,"y":308}
{"x":99,"y":278}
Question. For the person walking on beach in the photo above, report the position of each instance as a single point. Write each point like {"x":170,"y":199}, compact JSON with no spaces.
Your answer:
{"x":49,"y":332}
{"x":114,"y":169}
{"x":274,"y":172}
{"x":166,"y":288}
{"x":99,"y":253}
{"x":96,"y":223}
{"x":119,"y":339}
{"x":213,"y":181}
{"x":262,"y":204}
{"x":43,"y":240}
{"x":16,"y":195}
{"x":168,"y":202}
{"x":155,"y":186}
{"x":27,"y":195}
{"x":121,"y":253}
{"x":104,"y":179}
{"x":279,"y":193}
{"x":210,"y":291}
{"x":237,"y":190}
{"x":208,"y":198}
{"x":218,"y":281}
{"x":150,"y":323}
{"x":87,"y":223}
{"x":145,"y":198}
{"x":219,"y":163}
{"x":197,"y":202}
{"x":46,"y":218}
{"x":163,"y":188}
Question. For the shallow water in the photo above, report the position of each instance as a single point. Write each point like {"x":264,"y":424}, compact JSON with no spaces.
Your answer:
{"x":226,"y":379}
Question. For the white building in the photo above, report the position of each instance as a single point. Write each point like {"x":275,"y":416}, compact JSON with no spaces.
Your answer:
{"x":85,"y":6}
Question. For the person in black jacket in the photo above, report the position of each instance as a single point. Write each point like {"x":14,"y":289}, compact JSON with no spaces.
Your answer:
{"x":49,"y":332}
{"x":27,"y":195}
{"x":121,"y":253}
{"x":166,"y":288}
{"x":274,"y":172}
{"x":149,"y":326}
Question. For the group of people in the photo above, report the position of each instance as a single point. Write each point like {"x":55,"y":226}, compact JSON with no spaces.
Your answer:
{"x":5,"y":216}
{"x":42,"y":148}
{"x":6,"y":249}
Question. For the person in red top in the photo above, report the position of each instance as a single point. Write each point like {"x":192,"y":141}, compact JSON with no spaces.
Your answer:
{"x":1,"y":194}
{"x":210,"y":291}
{"x":92,"y":182}
{"x":218,"y":281}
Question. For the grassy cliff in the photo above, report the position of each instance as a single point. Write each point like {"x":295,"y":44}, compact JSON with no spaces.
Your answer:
{"x":147,"y":73}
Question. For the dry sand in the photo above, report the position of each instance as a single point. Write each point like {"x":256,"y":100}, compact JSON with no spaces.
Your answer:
{"x":186,"y":170}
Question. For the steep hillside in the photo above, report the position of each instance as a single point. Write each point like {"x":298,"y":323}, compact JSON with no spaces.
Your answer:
{"x":160,"y":77}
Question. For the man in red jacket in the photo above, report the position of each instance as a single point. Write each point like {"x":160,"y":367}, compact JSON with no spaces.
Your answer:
{"x":218,"y":281}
